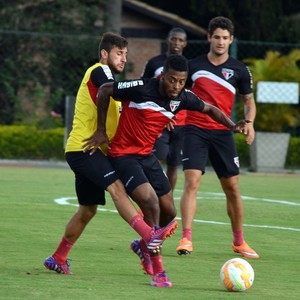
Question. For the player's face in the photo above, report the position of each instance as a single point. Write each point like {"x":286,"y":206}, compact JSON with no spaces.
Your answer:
{"x":220,"y":41}
{"x":176,"y":43}
{"x":116,"y":59}
{"x":172,"y":83}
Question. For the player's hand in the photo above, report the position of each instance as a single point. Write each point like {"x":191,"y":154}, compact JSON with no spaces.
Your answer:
{"x":171,"y":124}
{"x":93,"y":142}
{"x":240,"y":126}
{"x":249,"y":132}
{"x":246,"y":127}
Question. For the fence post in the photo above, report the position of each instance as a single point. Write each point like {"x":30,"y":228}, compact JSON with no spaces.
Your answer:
{"x":234,"y":49}
{"x":70,"y":109}
{"x":234,"y":54}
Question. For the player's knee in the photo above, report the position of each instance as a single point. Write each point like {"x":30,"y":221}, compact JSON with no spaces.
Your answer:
{"x":86,"y":213}
{"x":192,"y":180}
{"x":173,"y":213}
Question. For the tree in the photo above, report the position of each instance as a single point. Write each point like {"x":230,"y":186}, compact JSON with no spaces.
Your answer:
{"x":112,"y":16}
{"x":259,"y":20}
{"x":37,"y":41}
{"x":278,"y":68}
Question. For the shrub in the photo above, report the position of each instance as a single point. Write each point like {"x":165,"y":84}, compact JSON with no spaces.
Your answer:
{"x":243,"y":150}
{"x":275,"y":67}
{"x":293,"y":155}
{"x":29,"y":142}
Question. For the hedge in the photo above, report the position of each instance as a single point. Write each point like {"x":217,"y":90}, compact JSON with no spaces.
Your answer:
{"x":29,"y":142}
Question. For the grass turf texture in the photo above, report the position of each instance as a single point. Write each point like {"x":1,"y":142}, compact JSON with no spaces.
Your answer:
{"x":32,"y":225}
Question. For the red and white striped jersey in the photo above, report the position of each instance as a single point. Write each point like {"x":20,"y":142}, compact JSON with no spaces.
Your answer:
{"x":216,"y":85}
{"x":144,"y":115}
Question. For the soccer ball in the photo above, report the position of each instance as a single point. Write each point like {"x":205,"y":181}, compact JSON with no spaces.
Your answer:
{"x":237,"y":275}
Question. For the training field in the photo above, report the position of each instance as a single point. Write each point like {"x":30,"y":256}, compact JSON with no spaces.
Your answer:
{"x":36,"y":203}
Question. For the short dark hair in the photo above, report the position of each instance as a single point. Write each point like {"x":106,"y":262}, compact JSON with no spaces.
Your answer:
{"x":220,"y":22}
{"x":176,"y":62}
{"x":175,"y":30}
{"x":110,"y":40}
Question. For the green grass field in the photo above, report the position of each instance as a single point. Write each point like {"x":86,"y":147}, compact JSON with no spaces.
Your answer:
{"x":32,"y":224}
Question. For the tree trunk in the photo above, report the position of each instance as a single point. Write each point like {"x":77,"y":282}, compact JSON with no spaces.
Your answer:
{"x":112,"y":16}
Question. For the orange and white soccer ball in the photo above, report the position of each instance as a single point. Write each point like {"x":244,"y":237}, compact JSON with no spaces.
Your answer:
{"x":237,"y":275}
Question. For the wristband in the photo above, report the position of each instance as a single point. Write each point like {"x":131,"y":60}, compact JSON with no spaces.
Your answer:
{"x":248,"y":121}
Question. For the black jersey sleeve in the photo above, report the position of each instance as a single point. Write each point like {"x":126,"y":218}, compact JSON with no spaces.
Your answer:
{"x":245,"y":81}
{"x":192,"y":102}
{"x":128,"y":90}
{"x":101,"y":74}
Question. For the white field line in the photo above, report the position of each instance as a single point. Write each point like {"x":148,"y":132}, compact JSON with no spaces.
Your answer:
{"x":205,"y":195}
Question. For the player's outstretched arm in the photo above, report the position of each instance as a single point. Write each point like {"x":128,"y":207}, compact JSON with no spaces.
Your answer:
{"x":217,"y":115}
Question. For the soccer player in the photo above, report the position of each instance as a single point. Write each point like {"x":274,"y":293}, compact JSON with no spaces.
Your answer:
{"x":95,"y":174}
{"x":148,"y":106}
{"x":168,"y":146}
{"x":215,"y":77}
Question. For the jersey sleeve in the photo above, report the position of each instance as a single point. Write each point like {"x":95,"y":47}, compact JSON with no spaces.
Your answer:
{"x":101,"y":74}
{"x":245,"y":81}
{"x":193,"y":102}
{"x":128,"y":90}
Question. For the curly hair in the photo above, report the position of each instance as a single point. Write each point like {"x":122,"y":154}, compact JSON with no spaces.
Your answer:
{"x":220,"y":22}
{"x":176,"y":62}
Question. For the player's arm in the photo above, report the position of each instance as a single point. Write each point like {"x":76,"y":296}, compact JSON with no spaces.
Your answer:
{"x":217,"y":115}
{"x":193,"y":102}
{"x":250,"y":113}
{"x":99,"y":137}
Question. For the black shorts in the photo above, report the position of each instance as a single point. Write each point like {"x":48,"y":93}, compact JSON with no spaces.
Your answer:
{"x":135,"y":170}
{"x":216,"y":145}
{"x":93,"y":174}
{"x":168,"y":147}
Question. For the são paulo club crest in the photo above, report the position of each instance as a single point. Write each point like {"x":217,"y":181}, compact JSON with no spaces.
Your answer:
{"x":174,"y":104}
{"x":227,"y":73}
{"x":236,"y":161}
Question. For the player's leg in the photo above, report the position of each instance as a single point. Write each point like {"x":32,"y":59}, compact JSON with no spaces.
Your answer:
{"x":142,"y":193}
{"x":194,"y":159}
{"x":188,"y":208}
{"x":59,"y":260}
{"x":167,"y":208}
{"x":121,"y":201}
{"x":89,"y":196}
{"x":139,"y":194}
{"x":172,"y":175}
{"x":151,"y":170}
{"x":137,"y":186}
{"x":175,"y":154}
{"x":161,"y":186}
{"x":148,"y":183}
{"x":225,"y":161}
{"x":147,"y":200}
{"x":234,"y":203}
{"x":78,"y":222}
